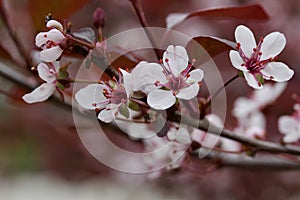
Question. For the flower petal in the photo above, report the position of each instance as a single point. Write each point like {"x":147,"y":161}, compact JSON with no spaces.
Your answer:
{"x":287,"y":124}
{"x":41,"y":93}
{"x":243,"y":107}
{"x":45,"y":73}
{"x":292,"y":137}
{"x":56,"y":65}
{"x":55,"y":36}
{"x":251,"y":81}
{"x":146,"y":74}
{"x":236,"y":60}
{"x":245,"y":37}
{"x":183,"y":136}
{"x":54,"y":24}
{"x":188,"y":92}
{"x":41,"y":39}
{"x":272,"y":45}
{"x":195,"y":76}
{"x":128,"y":82}
{"x":161,"y":99}
{"x":90,"y":95}
{"x":277,"y":71}
{"x":268,"y":94}
{"x":107,"y":115}
{"x":50,"y":55}
{"x":177,"y":59}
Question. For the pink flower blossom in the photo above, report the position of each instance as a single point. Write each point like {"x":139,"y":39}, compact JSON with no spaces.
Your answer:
{"x":257,"y":61}
{"x":169,"y":151}
{"x":51,"y":42}
{"x":44,"y":91}
{"x":107,"y":97}
{"x":258,"y":100}
{"x":289,"y":125}
{"x":172,"y":79}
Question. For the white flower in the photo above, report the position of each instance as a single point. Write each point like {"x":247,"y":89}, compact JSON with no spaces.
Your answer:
{"x":51,"y":42}
{"x":257,"y":61}
{"x":290,"y":126}
{"x":107,"y":97}
{"x":44,"y":91}
{"x":169,"y":151}
{"x":252,"y":125}
{"x":172,"y":79}
{"x":258,"y":99}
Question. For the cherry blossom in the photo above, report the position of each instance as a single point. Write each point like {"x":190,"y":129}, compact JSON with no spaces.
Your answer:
{"x":111,"y":98}
{"x":169,"y":151}
{"x":258,"y":99}
{"x":45,"y":90}
{"x":257,"y":61}
{"x":51,"y":42}
{"x":172,"y":79}
{"x":290,"y":125}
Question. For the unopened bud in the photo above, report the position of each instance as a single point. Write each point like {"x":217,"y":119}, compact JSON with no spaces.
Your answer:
{"x":99,"y":18}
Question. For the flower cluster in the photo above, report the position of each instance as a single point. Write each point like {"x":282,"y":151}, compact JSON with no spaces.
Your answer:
{"x":52,"y":42}
{"x":251,"y":121}
{"x":162,"y":83}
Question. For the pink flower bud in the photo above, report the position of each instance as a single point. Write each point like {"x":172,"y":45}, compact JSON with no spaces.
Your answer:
{"x":99,"y":18}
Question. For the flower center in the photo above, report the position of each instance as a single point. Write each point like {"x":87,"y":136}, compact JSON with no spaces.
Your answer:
{"x":115,"y":92}
{"x":254,"y":63}
{"x":175,"y":83}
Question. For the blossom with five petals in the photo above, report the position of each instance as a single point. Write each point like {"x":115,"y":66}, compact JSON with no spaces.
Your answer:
{"x":108,"y":98}
{"x":172,"y":79}
{"x":257,"y":61}
{"x":45,"y":90}
{"x":51,"y":42}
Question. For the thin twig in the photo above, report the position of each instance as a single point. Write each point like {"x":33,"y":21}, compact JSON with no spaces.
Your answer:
{"x":207,"y":105}
{"x":137,"y":7}
{"x":13,"y":36}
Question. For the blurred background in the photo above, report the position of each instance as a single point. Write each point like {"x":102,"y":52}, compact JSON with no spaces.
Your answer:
{"x":41,"y":155}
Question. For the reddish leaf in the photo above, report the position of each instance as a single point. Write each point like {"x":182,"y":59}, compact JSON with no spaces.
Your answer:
{"x":249,"y":12}
{"x":59,"y":9}
{"x":203,"y":48}
{"x":4,"y":54}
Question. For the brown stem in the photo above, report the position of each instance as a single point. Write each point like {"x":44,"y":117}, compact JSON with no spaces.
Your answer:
{"x":257,"y":145}
{"x":19,"y":46}
{"x":80,"y":42}
{"x":207,"y":105}
{"x":137,"y":7}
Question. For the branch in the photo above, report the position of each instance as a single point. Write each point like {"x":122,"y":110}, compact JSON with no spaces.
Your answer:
{"x":257,"y":145}
{"x":19,"y":46}
{"x":259,"y":163}
{"x":137,"y":7}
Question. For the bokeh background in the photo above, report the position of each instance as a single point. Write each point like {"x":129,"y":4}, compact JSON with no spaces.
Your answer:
{"x":42,"y":157}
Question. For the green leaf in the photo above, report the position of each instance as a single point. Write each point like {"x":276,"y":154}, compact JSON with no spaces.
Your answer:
{"x":63,"y":73}
{"x":124,"y":110}
{"x":138,"y":95}
{"x":260,"y":78}
{"x":59,"y":85}
{"x":133,"y":106}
